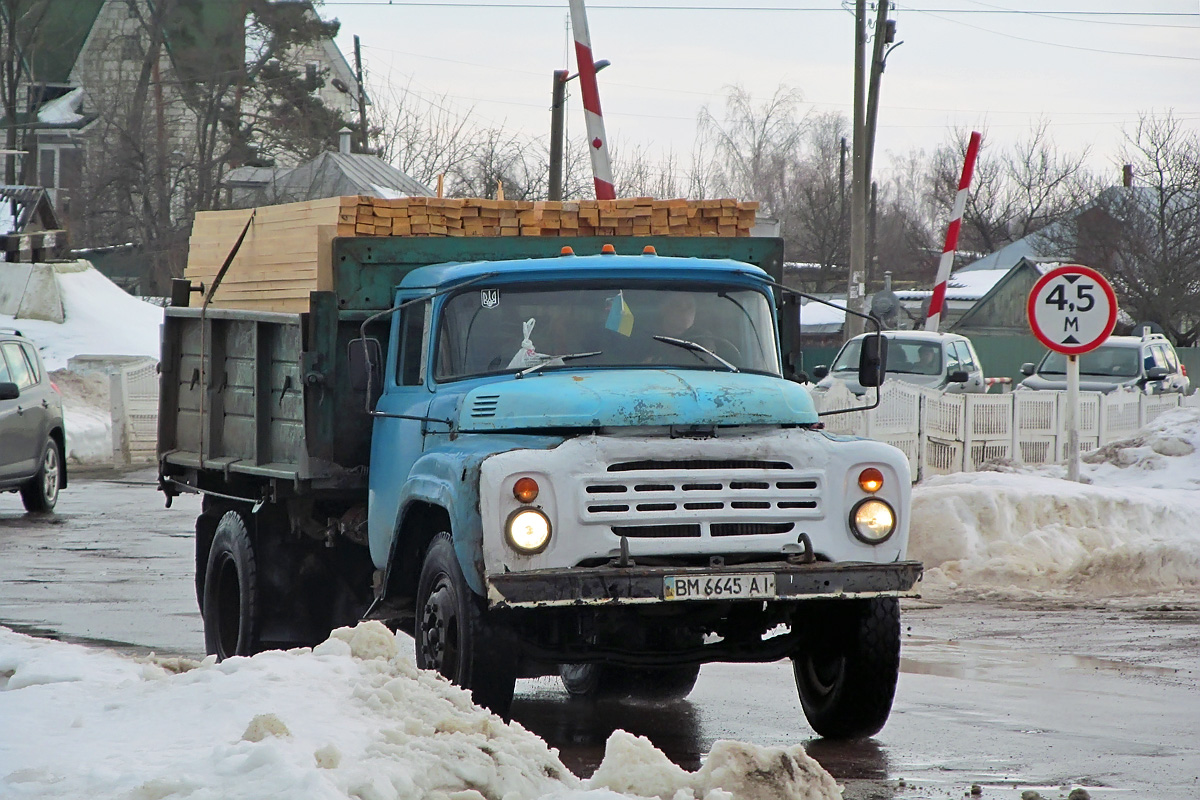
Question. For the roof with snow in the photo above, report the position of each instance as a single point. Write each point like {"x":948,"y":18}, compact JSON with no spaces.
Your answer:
{"x":328,"y":175}
{"x":962,"y":285}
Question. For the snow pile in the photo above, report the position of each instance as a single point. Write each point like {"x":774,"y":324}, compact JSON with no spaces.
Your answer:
{"x":349,"y":718}
{"x":1129,"y":529}
{"x":88,"y":419}
{"x":100,"y":318}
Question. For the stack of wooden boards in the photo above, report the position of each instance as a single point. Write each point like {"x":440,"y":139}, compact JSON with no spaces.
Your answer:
{"x":287,"y":252}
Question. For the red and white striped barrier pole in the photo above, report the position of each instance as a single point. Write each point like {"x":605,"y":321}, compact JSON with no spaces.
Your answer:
{"x":601,"y":167}
{"x":938,"y":301}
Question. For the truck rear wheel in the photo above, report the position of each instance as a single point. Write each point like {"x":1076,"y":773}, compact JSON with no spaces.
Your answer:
{"x":231,"y":591}
{"x":454,"y":635}
{"x":847,"y":670}
{"x":596,"y":681}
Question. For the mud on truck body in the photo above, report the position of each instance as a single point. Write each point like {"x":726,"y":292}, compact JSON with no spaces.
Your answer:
{"x":541,"y":463}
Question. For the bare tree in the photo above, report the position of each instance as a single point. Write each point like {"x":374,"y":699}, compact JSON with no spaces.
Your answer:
{"x":20,"y":37}
{"x":1147,"y":237}
{"x":423,"y":137}
{"x":1014,"y":192}
{"x":813,"y":203}
{"x":753,"y":147}
{"x":906,"y":240}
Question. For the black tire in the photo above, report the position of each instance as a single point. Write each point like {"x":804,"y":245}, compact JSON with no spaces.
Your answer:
{"x":598,"y":681}
{"x":40,"y":493}
{"x":231,"y":595}
{"x":454,"y":636}
{"x":847,"y":669}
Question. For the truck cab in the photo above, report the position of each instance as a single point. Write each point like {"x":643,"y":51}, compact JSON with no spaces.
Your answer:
{"x":617,"y":480}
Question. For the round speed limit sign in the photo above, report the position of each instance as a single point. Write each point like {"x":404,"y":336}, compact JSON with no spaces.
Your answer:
{"x":1072,"y":309}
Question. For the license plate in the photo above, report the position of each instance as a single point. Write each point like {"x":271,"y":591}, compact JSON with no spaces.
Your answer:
{"x":719,"y":587}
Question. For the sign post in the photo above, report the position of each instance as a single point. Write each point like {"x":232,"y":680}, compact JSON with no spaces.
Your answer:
{"x":1072,"y":310}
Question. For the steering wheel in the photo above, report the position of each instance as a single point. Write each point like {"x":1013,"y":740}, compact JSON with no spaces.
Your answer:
{"x":722,"y":347}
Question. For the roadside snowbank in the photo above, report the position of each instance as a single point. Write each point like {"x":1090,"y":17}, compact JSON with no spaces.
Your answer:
{"x":1129,"y":530}
{"x":100,"y":318}
{"x":349,"y":718}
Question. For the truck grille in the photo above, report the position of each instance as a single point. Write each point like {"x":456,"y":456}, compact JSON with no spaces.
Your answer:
{"x":690,"y":499}
{"x":484,"y":406}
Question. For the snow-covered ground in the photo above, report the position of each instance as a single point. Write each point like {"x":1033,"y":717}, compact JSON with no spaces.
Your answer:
{"x":1127,"y":531}
{"x":100,"y":319}
{"x":351,"y":718}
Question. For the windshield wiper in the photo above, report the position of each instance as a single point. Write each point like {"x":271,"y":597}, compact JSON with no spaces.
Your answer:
{"x":557,"y":361}
{"x":696,"y":348}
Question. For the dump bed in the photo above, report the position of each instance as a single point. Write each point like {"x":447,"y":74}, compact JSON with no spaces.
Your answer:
{"x":267,"y":395}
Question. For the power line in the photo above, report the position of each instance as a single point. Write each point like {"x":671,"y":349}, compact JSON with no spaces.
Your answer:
{"x":1101,"y":50}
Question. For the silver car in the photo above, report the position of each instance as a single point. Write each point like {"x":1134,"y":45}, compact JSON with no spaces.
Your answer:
{"x":945,"y":361}
{"x":1148,"y":364}
{"x":32,"y":434}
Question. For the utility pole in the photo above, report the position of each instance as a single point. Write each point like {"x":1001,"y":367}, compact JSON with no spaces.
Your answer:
{"x":362,"y":94}
{"x":866,"y":115}
{"x":558,"y":102}
{"x":858,"y":188}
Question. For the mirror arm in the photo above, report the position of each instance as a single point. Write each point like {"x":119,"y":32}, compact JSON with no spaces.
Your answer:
{"x":871,"y":318}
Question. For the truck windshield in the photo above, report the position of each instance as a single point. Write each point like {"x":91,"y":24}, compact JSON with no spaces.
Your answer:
{"x":487,"y":331}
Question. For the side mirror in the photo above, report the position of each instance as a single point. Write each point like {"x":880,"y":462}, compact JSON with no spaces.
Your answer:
{"x":820,"y":371}
{"x":958,"y":376}
{"x":366,"y":358}
{"x":9,"y":391}
{"x":1027,"y":368}
{"x":1157,"y":373}
{"x":872,"y":361}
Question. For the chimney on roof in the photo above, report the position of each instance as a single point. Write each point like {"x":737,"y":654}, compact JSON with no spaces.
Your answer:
{"x":1127,"y":176}
{"x":344,"y":140}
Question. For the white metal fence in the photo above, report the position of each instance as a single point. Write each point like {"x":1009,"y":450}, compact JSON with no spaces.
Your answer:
{"x":943,"y":433}
{"x":133,"y":404}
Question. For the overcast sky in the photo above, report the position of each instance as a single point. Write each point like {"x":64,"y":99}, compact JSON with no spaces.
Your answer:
{"x":963,"y":63}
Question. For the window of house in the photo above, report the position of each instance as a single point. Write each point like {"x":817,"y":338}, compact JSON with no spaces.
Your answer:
{"x":131,"y":48}
{"x":48,"y":167}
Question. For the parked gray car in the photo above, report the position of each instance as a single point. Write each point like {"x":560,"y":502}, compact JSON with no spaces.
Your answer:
{"x":945,"y":361}
{"x":1148,"y":363}
{"x":32,"y":434}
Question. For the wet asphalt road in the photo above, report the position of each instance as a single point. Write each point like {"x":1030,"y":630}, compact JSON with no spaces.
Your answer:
{"x":1011,"y":698}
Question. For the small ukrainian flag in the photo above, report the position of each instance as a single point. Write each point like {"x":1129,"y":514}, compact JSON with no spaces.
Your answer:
{"x":620,"y":318}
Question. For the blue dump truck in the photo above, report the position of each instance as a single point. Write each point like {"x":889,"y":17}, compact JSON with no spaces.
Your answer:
{"x":585,"y":457}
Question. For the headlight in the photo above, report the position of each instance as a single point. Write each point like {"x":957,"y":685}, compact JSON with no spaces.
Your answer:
{"x":873,"y":521}
{"x":528,"y":531}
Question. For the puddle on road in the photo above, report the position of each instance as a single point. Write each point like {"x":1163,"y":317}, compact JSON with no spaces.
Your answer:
{"x":125,"y":648}
{"x":979,"y":661}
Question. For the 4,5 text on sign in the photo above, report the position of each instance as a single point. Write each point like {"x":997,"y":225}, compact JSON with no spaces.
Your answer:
{"x":1072,"y":309}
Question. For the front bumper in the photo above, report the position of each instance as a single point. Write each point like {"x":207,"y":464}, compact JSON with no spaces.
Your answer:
{"x":615,"y":585}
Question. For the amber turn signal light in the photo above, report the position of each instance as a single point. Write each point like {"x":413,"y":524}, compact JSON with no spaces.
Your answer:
{"x":870,"y":480}
{"x":526,"y":490}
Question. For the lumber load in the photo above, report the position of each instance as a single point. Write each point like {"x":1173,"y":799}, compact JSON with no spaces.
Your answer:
{"x":287,"y":252}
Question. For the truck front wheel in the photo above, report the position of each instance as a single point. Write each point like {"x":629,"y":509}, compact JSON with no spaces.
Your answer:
{"x":847,"y":669}
{"x":231,"y":591}
{"x":454,"y":635}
